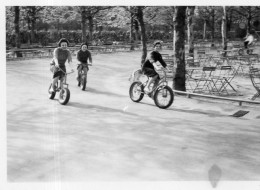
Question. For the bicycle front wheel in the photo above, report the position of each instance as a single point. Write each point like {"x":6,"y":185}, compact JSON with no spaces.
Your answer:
{"x":64,"y":96}
{"x":83,"y":82}
{"x":136,"y":91}
{"x":163,"y":97}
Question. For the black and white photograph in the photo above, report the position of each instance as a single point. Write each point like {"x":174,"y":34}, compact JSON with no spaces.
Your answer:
{"x":130,"y":96}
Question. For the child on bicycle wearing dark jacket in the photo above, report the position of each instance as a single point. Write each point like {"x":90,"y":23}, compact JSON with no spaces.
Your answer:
{"x":83,"y":56}
{"x":150,"y":66}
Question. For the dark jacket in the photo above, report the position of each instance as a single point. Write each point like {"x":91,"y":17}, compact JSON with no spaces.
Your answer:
{"x":83,"y":56}
{"x":156,"y":56}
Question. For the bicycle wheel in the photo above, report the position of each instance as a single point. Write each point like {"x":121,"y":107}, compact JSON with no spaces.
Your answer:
{"x":249,"y":51}
{"x":83,"y":82}
{"x":51,"y":94}
{"x":240,"y":52}
{"x":163,"y":97}
{"x":136,"y":91}
{"x":64,"y":96}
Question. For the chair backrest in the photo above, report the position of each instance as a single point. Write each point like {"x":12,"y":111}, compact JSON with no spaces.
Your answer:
{"x":236,"y":45}
{"x":227,"y":71}
{"x":190,"y":62}
{"x":201,"y":52}
{"x":207,"y":71}
{"x":225,"y":67}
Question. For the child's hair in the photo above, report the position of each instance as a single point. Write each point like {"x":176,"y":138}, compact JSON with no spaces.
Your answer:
{"x":63,"y":40}
{"x":84,"y":44}
{"x":157,"y":42}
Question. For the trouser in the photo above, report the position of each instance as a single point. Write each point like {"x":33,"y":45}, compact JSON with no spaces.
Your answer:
{"x":246,"y":44}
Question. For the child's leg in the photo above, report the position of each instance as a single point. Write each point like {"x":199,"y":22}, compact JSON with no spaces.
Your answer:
{"x":245,"y":44}
{"x":85,"y":69}
{"x":61,"y":82}
{"x":156,"y":82}
{"x":151,"y":79}
{"x":54,"y":81}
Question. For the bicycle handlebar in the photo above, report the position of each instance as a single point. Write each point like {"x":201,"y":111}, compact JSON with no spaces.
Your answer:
{"x":66,"y":73}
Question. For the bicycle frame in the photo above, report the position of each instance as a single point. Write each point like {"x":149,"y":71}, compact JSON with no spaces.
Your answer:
{"x":162,"y":82}
{"x":63,"y":81}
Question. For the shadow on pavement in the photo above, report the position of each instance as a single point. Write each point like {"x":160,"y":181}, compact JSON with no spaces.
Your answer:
{"x":92,"y":90}
{"x":100,"y":108}
{"x":209,"y":113}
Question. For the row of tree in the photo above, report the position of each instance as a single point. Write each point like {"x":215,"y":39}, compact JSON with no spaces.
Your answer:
{"x":178,"y":19}
{"x":98,"y":18}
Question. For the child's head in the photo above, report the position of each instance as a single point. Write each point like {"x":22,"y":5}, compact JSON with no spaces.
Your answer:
{"x":63,"y":43}
{"x":157,"y":45}
{"x":84,"y":46}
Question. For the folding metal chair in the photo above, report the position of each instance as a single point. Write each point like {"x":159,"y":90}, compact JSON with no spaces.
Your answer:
{"x":201,"y":82}
{"x":221,"y":80}
{"x":192,"y":63}
{"x":254,"y":74}
{"x":244,"y":63}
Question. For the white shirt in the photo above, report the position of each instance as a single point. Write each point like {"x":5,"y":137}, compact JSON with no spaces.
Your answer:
{"x":250,"y":38}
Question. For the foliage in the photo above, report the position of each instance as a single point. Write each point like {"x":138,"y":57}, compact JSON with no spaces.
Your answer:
{"x":113,"y":23}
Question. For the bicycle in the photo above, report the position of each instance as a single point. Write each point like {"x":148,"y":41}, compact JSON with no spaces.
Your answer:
{"x":82,"y":78}
{"x":64,"y":93}
{"x":162,"y":94}
{"x":249,"y":50}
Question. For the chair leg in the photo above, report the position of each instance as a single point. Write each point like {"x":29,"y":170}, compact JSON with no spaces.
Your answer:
{"x":255,"y":96}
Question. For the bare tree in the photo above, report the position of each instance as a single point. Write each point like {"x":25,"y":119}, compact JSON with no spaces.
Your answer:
{"x":140,"y":18}
{"x":88,"y":13}
{"x":224,"y":29}
{"x":16,"y":26}
{"x":249,"y":13}
{"x":32,"y":14}
{"x":190,"y":24}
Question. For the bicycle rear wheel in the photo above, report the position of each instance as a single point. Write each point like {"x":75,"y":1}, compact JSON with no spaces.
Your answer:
{"x":240,"y":52}
{"x":163,"y":97}
{"x":136,"y":91}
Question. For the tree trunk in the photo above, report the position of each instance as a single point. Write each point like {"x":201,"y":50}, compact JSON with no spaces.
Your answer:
{"x":136,"y":26}
{"x":249,"y":23}
{"x":190,"y":14}
{"x":204,"y":30}
{"x":83,"y":25}
{"x":33,"y":21}
{"x":224,"y":30}
{"x":32,"y":31}
{"x":143,"y":33}
{"x":213,"y":28}
{"x":17,"y":27}
{"x":131,"y":29}
{"x":179,"y":58}
{"x":90,"y":19}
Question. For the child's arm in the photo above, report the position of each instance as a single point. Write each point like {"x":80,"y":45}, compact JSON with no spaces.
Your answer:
{"x":70,"y":61}
{"x":90,"y":59}
{"x":157,"y":67}
{"x":55,"y":57}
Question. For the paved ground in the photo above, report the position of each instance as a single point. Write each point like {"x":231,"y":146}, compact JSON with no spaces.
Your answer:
{"x":102,"y":135}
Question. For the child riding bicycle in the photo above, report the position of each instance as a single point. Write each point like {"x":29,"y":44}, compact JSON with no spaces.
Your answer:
{"x":249,"y":39}
{"x":60,"y":55}
{"x":150,"y":66}
{"x":83,"y":56}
